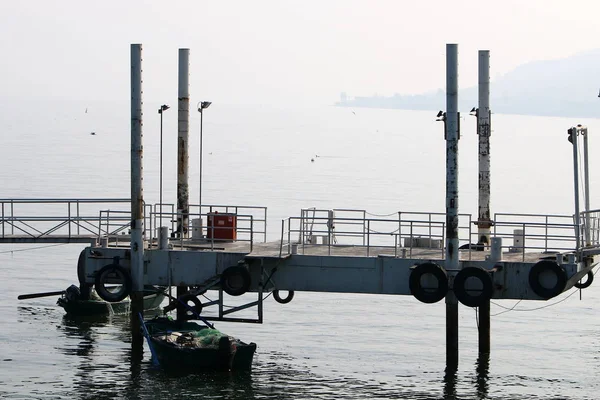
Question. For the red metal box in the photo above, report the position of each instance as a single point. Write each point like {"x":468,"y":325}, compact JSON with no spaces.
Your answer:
{"x":221,"y":226}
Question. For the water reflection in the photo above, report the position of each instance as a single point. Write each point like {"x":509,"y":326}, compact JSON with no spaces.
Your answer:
{"x":482,"y":368}
{"x":450,"y":378}
{"x":98,"y":361}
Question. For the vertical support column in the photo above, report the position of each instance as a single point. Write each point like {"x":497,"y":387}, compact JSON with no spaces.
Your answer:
{"x":573,"y":132}
{"x":183,"y":133}
{"x":586,"y":177}
{"x":452,"y":263}
{"x":137,"y":197}
{"x":484,"y":132}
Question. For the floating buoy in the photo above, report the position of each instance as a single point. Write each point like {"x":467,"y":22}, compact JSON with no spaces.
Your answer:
{"x":587,"y":283}
{"x":284,"y":300}
{"x":113,"y":274}
{"x":547,"y":268}
{"x":465,"y":295}
{"x":235,"y":280}
{"x":428,"y":295}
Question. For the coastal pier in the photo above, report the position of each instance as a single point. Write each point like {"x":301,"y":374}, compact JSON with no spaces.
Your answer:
{"x":198,"y":248}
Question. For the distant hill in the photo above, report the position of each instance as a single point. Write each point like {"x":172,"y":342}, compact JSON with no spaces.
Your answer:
{"x":566,"y":87}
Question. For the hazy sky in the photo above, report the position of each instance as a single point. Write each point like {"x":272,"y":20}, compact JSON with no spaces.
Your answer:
{"x":277,"y":51}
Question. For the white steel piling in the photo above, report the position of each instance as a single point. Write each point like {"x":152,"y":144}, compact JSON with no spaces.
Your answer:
{"x":484,"y":221}
{"x":452,"y":252}
{"x":484,"y":132}
{"x":183,"y":133}
{"x":137,"y":194}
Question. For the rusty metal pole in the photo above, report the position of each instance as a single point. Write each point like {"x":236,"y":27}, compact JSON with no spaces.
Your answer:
{"x":137,"y":197}
{"x":452,"y":262}
{"x":586,"y":186}
{"x":484,"y":132}
{"x":573,"y":133}
{"x":183,"y":133}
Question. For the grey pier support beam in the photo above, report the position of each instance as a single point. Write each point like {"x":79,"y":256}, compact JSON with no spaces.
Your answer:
{"x":452,"y":253}
{"x":484,"y":131}
{"x":183,"y":133}
{"x":137,"y":197}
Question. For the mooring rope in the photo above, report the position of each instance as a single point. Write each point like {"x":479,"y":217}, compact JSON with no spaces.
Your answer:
{"x":507,"y":309}
{"x":33,"y":248}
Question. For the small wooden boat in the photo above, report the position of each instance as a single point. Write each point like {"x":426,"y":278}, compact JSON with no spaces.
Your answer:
{"x":71,"y":300}
{"x":188,"y":345}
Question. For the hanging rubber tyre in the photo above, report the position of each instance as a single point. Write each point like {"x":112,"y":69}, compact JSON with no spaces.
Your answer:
{"x":191,"y":311}
{"x":587,"y":283}
{"x":115,"y":275}
{"x":281,"y":300}
{"x":426,"y":294}
{"x":552,"y":271}
{"x":473,"y":297}
{"x":235,"y":280}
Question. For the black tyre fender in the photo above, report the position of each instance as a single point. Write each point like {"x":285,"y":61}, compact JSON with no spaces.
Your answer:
{"x":425,"y":295}
{"x":235,"y":280}
{"x":547,"y":266}
{"x":100,"y":283}
{"x":468,"y":299}
{"x":281,"y":300}
{"x":193,"y":311}
{"x":587,"y":283}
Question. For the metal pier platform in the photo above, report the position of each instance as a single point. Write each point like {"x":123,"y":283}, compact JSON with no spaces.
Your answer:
{"x":335,"y":250}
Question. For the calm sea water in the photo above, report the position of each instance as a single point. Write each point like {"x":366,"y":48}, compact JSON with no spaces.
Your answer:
{"x":327,"y":346}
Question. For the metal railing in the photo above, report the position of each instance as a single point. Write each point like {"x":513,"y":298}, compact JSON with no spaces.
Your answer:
{"x":590,"y":232}
{"x":53,"y":219}
{"x":409,"y":230}
{"x":43,"y":218}
{"x":543,"y":233}
{"x":349,"y":227}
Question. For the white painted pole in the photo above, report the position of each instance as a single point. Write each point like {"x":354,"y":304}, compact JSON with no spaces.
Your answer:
{"x":183,"y":133}
{"x":574,"y":132}
{"x":137,"y":194}
{"x":484,"y":132}
{"x":484,"y":221}
{"x":586,"y":172}
{"x":452,"y":262}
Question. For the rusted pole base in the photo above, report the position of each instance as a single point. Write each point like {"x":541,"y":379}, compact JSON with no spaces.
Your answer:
{"x":484,"y":328}
{"x":137,"y":337}
{"x":451,"y":332}
{"x":181,"y":290}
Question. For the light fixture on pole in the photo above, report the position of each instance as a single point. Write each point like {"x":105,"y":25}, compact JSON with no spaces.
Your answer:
{"x":162,"y":109}
{"x":201,"y":106}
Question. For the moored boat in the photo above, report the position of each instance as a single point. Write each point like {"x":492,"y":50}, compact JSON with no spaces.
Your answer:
{"x":188,"y":345}
{"x":74,"y":304}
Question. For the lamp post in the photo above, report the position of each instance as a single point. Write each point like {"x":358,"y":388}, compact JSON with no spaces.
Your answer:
{"x":201,"y":106}
{"x":162,"y":109}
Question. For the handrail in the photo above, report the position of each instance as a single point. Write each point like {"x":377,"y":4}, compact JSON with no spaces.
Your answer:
{"x":78,"y":218}
{"x":534,"y":232}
